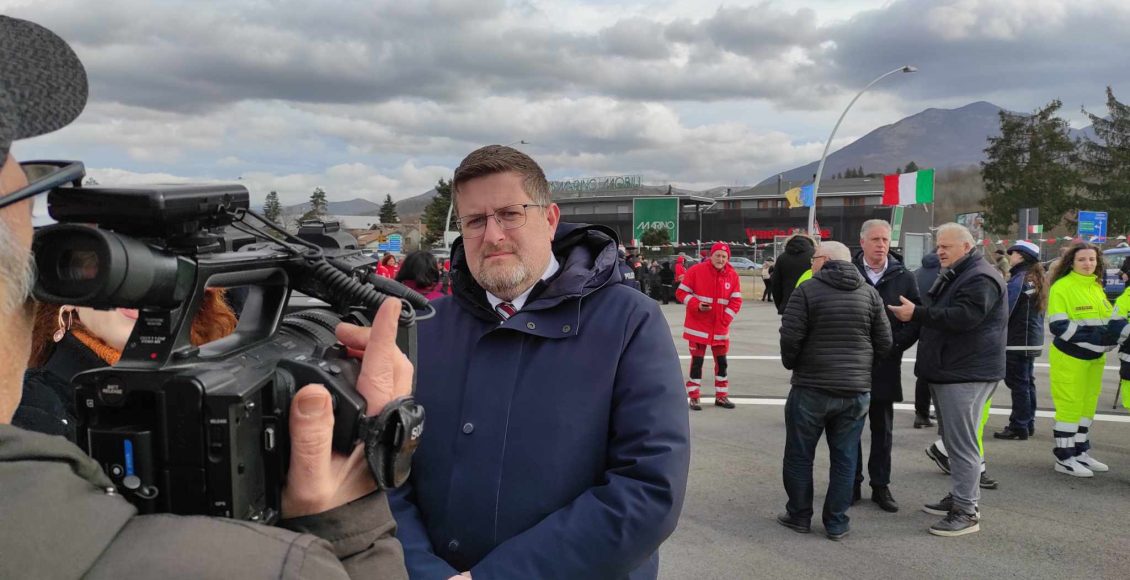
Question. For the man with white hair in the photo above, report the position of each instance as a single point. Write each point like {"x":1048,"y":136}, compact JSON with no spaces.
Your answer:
{"x":961,"y":355}
{"x":832,"y":330}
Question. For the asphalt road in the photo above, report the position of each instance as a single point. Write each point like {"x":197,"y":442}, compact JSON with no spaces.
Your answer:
{"x":1038,"y":524}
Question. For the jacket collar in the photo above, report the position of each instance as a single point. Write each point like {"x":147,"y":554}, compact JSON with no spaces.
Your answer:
{"x":70,"y":358}
{"x":894,"y":266}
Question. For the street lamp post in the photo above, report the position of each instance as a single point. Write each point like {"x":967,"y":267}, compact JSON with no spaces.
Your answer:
{"x":824,"y":156}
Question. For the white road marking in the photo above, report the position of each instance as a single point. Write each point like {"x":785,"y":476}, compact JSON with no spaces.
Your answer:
{"x":910,"y":407}
{"x":730,"y":357}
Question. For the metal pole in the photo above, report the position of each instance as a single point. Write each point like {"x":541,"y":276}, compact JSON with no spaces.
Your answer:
{"x":447,"y":224}
{"x":824,"y":156}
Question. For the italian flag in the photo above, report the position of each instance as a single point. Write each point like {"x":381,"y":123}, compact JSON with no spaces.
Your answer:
{"x":909,"y":188}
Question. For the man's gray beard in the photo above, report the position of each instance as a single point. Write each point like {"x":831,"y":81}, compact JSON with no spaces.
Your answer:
{"x":17,"y":270}
{"x":504,"y":282}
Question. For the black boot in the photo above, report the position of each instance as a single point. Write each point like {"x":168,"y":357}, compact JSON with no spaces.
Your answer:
{"x":883,"y":497}
{"x":1009,"y":433}
{"x":856,"y":493}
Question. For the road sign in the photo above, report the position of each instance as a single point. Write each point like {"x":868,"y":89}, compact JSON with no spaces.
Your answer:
{"x":1092,"y":226}
{"x":392,"y":245}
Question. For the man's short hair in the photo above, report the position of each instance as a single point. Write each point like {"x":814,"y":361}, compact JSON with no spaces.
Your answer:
{"x":835,"y":251}
{"x":493,"y":159}
{"x":867,"y":225}
{"x":963,"y":234}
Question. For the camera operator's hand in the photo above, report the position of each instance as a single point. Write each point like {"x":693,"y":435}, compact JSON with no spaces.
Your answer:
{"x":319,"y":479}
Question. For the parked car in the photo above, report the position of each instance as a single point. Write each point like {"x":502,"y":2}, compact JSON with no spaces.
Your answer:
{"x":743,"y":263}
{"x":1113,"y":259}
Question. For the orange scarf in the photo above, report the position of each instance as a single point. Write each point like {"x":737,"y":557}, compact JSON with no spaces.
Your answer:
{"x":95,"y":344}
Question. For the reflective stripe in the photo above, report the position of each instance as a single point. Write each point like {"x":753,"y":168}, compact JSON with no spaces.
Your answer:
{"x":722,"y":301}
{"x":1092,"y":347}
{"x":696,"y":333}
{"x":1070,"y":332}
{"x":1058,"y":317}
{"x":1124,"y":356}
{"x":731,"y":312}
{"x":722,"y":337}
{"x":1091,"y":321}
{"x":685,"y":288}
{"x":736,"y":295}
{"x":704,"y":299}
{"x":1031,"y":348}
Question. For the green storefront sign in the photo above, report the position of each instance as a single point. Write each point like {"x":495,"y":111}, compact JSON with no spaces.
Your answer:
{"x":655,"y":212}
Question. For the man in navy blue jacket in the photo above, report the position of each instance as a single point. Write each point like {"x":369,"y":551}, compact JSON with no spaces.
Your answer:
{"x":557,"y":443}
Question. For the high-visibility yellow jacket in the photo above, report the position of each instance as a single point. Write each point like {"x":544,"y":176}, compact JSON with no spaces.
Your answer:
{"x":1078,"y":315}
{"x":1120,"y":328}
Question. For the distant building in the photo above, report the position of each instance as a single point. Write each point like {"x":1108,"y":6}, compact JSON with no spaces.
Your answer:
{"x":739,"y":215}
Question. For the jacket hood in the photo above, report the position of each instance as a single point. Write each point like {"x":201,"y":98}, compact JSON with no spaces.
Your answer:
{"x":799,"y":245}
{"x":931,"y":260}
{"x":587,"y":259}
{"x":840,"y":275}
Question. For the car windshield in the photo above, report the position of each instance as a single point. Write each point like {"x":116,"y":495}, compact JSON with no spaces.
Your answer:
{"x":1114,"y":261}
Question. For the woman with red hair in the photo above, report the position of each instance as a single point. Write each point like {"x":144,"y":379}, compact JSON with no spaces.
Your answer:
{"x":67,"y":340}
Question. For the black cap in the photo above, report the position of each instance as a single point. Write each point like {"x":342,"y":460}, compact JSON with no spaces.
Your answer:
{"x":42,"y":82}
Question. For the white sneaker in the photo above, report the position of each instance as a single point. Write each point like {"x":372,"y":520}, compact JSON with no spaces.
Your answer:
{"x":1071,"y":466}
{"x":1091,"y":463}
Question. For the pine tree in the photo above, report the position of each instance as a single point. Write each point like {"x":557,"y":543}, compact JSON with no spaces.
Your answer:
{"x":1105,"y":163}
{"x":388,"y":211}
{"x":317,"y":209}
{"x":910,"y":167}
{"x":435,"y":214}
{"x":272,"y":209}
{"x":656,"y":237}
{"x":1030,"y":165}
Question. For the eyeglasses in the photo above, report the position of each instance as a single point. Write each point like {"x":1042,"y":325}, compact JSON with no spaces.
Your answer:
{"x":45,"y":176}
{"x":508,"y":218}
{"x":814,"y":258}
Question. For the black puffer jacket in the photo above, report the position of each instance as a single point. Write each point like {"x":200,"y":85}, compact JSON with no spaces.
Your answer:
{"x":796,"y":260}
{"x":896,"y":281}
{"x":832,"y":331}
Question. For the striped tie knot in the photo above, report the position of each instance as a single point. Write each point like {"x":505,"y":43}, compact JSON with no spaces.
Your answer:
{"x":506,"y":310}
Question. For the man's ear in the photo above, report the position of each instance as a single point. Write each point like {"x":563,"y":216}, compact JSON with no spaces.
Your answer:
{"x":553,"y":215}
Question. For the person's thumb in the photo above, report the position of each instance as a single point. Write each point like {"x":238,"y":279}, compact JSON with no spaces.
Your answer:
{"x":311,"y":445}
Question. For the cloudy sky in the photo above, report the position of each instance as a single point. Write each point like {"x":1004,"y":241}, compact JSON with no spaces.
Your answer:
{"x":373,"y":97}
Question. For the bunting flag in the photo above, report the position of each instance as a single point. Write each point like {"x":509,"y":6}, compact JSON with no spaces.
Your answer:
{"x":909,"y":188}
{"x":793,"y":195}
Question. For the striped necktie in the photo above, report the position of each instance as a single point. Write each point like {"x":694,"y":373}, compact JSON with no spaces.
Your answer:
{"x":506,"y":310}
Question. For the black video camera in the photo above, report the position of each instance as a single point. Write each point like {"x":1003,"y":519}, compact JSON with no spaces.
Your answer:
{"x":204,"y":430}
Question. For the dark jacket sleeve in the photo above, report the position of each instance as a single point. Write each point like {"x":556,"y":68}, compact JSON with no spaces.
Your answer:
{"x":422,"y":562}
{"x":971,"y":304}
{"x":794,"y":328}
{"x":881,"y":338}
{"x":615,"y":526}
{"x":905,"y":334}
{"x":777,"y":284}
{"x":362,"y":534}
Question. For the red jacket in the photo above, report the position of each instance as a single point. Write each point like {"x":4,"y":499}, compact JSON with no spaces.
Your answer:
{"x":722,"y":289}
{"x":680,"y":269}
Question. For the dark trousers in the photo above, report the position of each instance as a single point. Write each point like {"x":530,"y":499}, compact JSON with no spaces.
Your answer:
{"x":809,"y":413}
{"x":881,"y":416}
{"x":1018,"y":371}
{"x":767,"y":295}
{"x":921,"y":398}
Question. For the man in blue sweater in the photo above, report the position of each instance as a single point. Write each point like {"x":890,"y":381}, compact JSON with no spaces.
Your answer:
{"x":558,"y":439}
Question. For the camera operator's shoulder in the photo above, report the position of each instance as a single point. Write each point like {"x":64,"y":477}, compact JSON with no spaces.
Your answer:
{"x":169,"y":546}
